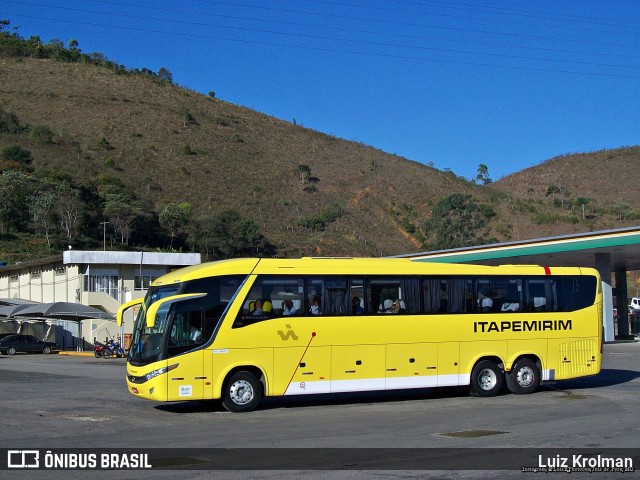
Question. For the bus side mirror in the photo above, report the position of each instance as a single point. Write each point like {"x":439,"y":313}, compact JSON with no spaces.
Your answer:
{"x":152,"y":311}
{"x":125,"y":307}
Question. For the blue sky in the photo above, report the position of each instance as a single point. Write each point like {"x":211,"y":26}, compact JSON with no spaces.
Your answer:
{"x":506,"y":83}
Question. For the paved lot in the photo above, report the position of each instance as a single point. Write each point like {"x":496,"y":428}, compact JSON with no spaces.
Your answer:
{"x":81,"y":402}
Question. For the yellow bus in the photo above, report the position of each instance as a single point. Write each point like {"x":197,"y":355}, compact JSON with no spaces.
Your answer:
{"x":241,"y":329}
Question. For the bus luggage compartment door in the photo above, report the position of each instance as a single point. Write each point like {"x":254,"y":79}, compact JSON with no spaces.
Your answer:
{"x":412,"y":365}
{"x":300,"y":370}
{"x":356,"y":368}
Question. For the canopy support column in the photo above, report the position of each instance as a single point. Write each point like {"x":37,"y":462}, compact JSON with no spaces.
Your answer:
{"x":603,"y":265}
{"x":622,"y":302}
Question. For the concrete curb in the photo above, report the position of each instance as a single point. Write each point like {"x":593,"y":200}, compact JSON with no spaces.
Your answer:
{"x":77,"y":354}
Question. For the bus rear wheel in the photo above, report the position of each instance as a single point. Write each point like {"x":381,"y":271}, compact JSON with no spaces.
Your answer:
{"x":486,"y":379}
{"x":524,"y":377}
{"x":242,"y":392}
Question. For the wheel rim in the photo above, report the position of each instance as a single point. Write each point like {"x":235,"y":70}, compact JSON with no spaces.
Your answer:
{"x":525,"y":376}
{"x":487,"y":379}
{"x":47,"y":350}
{"x":11,"y":350}
{"x":241,"y":392}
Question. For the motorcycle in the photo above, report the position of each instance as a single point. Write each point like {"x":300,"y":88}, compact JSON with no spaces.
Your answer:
{"x":113,"y":348}
{"x":97,"y":350}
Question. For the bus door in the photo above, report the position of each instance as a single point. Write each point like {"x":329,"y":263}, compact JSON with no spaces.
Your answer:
{"x":188,"y":333}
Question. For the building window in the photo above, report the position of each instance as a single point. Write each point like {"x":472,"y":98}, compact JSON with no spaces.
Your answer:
{"x":143,"y":282}
{"x":102,"y":283}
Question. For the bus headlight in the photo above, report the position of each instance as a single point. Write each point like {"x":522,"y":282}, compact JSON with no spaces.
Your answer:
{"x":151,"y":375}
{"x":156,"y":373}
{"x":159,"y":371}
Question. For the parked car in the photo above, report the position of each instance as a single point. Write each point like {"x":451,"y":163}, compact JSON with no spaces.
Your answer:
{"x":25,"y":343}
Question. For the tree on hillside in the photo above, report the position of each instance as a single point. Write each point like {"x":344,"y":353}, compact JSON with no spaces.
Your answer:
{"x":41,"y":208}
{"x":456,"y":221}
{"x":581,"y":202}
{"x":558,"y":193}
{"x":229,"y":235}
{"x":482,"y":176}
{"x":106,"y":184}
{"x":15,"y":189}
{"x":622,"y":210}
{"x":123,"y":210}
{"x":305,"y":172}
{"x":69,"y":209}
{"x":165,"y":75}
{"x":174,"y":219}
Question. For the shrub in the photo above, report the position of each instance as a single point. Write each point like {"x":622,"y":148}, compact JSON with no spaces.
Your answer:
{"x":9,"y":123}
{"x":104,"y":144}
{"x":41,"y":134}
{"x":187,"y":150}
{"x":17,"y":154}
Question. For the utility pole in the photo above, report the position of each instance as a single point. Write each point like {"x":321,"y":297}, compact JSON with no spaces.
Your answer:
{"x":104,"y":235}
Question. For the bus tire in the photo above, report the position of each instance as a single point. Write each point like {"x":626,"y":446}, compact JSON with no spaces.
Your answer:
{"x":486,"y":379}
{"x":242,"y":392}
{"x":524,"y":377}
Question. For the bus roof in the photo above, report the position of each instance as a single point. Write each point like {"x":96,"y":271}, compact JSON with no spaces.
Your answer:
{"x":352,"y":266}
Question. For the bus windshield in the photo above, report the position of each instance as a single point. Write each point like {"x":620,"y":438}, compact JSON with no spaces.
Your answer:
{"x":181,"y":326}
{"x":146,"y":342}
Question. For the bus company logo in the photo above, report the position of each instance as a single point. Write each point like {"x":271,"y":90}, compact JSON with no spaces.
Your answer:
{"x":23,"y":459}
{"x":522,"y":326}
{"x":289,"y":334}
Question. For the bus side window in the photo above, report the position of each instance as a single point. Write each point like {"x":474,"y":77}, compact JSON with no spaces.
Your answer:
{"x":513,"y":297}
{"x":576,"y":292}
{"x":459,"y":295}
{"x":384,"y":295}
{"x":286,"y":296}
{"x":257,"y":306}
{"x":536,"y":296}
{"x":542,"y":295}
{"x":431,"y":295}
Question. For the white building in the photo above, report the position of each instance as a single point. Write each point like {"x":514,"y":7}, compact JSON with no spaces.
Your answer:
{"x":100,"y":279}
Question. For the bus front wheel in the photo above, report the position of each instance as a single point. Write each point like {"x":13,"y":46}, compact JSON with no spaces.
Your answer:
{"x":242,"y":392}
{"x":524,"y":377}
{"x":486,"y":379}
